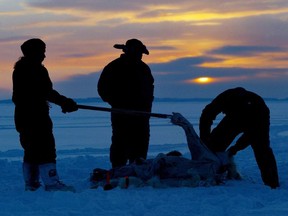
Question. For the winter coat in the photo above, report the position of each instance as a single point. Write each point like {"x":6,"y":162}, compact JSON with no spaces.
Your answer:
{"x":32,"y":90}
{"x":247,"y":114}
{"x":241,"y":106}
{"x":127,"y":84}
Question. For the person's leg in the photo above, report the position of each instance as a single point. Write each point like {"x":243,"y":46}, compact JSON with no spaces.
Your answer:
{"x":117,"y":155}
{"x":264,"y":156}
{"x":139,"y":138}
{"x":50,"y":177}
{"x":39,"y":148}
{"x":224,"y":134}
{"x":40,"y":160}
{"x":267,"y":165}
{"x":47,"y":165}
{"x":38,"y":141}
{"x":44,"y":153}
{"x":31,"y":176}
{"x":120,"y":137}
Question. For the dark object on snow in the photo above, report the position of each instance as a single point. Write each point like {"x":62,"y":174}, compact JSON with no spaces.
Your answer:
{"x":173,"y":170}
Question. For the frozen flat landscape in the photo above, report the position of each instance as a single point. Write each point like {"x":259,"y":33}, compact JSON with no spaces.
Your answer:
{"x":83,"y":140}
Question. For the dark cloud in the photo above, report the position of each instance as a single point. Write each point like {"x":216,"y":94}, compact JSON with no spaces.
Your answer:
{"x":264,"y":30}
{"x":182,"y":65}
{"x":171,"y":83}
{"x":245,"y":50}
{"x":239,"y":35}
{"x":162,"y":48}
{"x":78,"y":55}
{"x":14,"y":39}
{"x":170,"y":77}
{"x":90,"y":5}
{"x":260,"y":30}
{"x":181,"y":70}
{"x":80,"y":86}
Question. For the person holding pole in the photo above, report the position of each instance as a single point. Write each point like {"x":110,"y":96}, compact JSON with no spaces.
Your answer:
{"x":32,"y":92}
{"x":127,"y":83}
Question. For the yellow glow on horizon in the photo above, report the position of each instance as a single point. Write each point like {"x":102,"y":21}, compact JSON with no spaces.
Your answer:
{"x":210,"y":80}
{"x":169,"y":14}
{"x":259,"y":61}
{"x":203,"y":80}
{"x":80,"y":40}
{"x":204,"y":16}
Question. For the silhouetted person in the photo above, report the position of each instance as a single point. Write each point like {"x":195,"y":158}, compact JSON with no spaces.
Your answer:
{"x":32,"y":92}
{"x":247,"y":114}
{"x":127,"y":83}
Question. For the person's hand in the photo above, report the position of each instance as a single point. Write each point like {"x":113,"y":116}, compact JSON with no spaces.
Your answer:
{"x":69,"y":105}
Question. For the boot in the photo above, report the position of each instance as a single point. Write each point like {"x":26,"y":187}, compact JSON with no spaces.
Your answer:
{"x":51,"y":180}
{"x":31,"y":176}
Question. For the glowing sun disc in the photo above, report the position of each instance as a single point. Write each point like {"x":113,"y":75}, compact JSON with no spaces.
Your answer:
{"x":203,"y":80}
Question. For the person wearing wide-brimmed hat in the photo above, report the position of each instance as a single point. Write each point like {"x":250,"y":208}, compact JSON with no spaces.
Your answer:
{"x":127,"y":83}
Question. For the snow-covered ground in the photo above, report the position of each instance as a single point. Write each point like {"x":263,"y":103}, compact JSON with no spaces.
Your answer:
{"x":83,"y":140}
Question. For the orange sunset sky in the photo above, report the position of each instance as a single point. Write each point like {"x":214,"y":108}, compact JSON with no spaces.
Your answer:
{"x":225,"y":43}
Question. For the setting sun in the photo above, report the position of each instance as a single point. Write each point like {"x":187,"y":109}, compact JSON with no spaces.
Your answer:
{"x":202,"y":80}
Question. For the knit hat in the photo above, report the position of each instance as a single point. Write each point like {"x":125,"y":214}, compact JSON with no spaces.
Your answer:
{"x":33,"y":46}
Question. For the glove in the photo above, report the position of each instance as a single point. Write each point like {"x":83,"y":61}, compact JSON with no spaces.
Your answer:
{"x":69,"y":105}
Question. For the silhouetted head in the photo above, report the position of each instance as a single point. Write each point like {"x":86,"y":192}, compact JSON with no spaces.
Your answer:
{"x":34,"y":48}
{"x":133,"y":48}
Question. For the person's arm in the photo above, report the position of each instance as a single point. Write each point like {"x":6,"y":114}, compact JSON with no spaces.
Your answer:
{"x":242,"y":143}
{"x":67,"y":104}
{"x":207,"y":117}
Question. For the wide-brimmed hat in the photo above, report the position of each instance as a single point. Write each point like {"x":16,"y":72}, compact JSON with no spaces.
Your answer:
{"x":132,"y":44}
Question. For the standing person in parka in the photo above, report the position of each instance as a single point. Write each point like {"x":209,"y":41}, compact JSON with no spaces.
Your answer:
{"x":127,"y":83}
{"x":32,"y":92}
{"x":247,"y":114}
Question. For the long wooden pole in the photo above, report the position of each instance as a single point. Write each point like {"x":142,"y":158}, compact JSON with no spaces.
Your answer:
{"x":123,"y":111}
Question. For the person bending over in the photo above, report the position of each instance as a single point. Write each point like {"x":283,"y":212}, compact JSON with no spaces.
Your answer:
{"x":247,"y":114}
